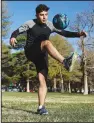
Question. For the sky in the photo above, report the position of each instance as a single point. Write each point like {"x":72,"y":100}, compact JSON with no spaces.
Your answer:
{"x":23,"y":11}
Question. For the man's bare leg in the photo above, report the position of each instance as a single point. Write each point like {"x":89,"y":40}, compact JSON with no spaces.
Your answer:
{"x":52,"y":51}
{"x":56,"y":55}
{"x":42,"y":89}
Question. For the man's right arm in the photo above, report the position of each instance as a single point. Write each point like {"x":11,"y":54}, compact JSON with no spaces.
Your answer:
{"x":23,"y":28}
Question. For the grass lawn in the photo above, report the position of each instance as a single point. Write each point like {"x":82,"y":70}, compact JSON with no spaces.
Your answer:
{"x":22,"y":106}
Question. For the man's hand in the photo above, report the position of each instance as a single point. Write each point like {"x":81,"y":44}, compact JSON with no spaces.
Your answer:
{"x":82,"y":33}
{"x":13,"y":42}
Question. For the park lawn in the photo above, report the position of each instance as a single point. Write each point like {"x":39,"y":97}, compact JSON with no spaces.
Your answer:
{"x":22,"y":106}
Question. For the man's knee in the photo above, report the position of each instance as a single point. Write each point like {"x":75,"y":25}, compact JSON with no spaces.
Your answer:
{"x":42,"y":80}
{"x":45,"y":43}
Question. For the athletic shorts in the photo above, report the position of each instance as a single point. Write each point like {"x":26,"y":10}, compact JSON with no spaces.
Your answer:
{"x":38,"y":57}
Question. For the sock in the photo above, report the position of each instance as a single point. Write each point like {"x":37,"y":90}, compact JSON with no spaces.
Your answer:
{"x":40,"y":106}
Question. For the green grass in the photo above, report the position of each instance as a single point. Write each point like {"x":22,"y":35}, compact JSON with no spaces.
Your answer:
{"x":21,"y":107}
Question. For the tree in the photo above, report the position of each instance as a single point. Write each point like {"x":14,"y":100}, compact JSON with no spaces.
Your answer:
{"x":90,"y":68}
{"x":85,"y":21}
{"x":73,"y":77}
{"x":4,"y":60}
{"x":5,"y":50}
{"x":29,"y":74}
{"x":20,"y":68}
{"x":64,"y":47}
{"x":5,"y":20}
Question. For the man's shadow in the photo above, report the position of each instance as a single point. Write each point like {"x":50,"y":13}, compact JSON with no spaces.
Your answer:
{"x":19,"y":109}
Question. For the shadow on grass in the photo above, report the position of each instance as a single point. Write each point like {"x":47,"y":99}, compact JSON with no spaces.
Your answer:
{"x":19,"y":109}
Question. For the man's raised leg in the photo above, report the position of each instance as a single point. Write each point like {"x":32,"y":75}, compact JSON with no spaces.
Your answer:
{"x":52,"y":51}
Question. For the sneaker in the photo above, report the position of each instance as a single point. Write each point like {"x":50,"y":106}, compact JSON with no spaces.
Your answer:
{"x":69,"y":61}
{"x":42,"y":111}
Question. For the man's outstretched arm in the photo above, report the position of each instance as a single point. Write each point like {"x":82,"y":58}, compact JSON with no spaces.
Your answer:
{"x":71,"y":34}
{"x":65,"y":33}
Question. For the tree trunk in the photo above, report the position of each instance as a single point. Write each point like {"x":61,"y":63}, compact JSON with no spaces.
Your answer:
{"x":69,"y":87}
{"x":84,"y":68}
{"x":85,"y":83}
{"x":62,"y":86}
{"x":28,"y":85}
{"x":28,"y":81}
{"x":62,"y":82}
{"x":54,"y":84}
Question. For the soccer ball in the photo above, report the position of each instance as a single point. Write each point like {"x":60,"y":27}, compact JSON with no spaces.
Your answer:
{"x":60,"y":21}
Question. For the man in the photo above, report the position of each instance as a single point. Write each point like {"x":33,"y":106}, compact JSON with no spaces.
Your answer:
{"x":38,"y":47}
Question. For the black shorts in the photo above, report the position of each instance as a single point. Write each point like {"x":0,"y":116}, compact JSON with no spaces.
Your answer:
{"x":38,"y":57}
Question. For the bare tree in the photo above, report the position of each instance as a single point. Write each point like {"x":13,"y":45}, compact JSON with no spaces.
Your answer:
{"x":85,"y":21}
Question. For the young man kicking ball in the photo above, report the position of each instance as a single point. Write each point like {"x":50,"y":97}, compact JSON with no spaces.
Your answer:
{"x":38,"y":47}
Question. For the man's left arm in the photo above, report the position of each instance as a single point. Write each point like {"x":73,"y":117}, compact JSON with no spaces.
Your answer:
{"x":70,"y":34}
{"x":64,"y":32}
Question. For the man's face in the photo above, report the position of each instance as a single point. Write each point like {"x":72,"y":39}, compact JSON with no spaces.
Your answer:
{"x":42,"y":16}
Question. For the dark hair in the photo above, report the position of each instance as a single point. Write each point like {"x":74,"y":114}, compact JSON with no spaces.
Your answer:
{"x":41,"y":7}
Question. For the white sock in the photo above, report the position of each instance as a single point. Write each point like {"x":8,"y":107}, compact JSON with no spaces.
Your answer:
{"x":40,"y":106}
